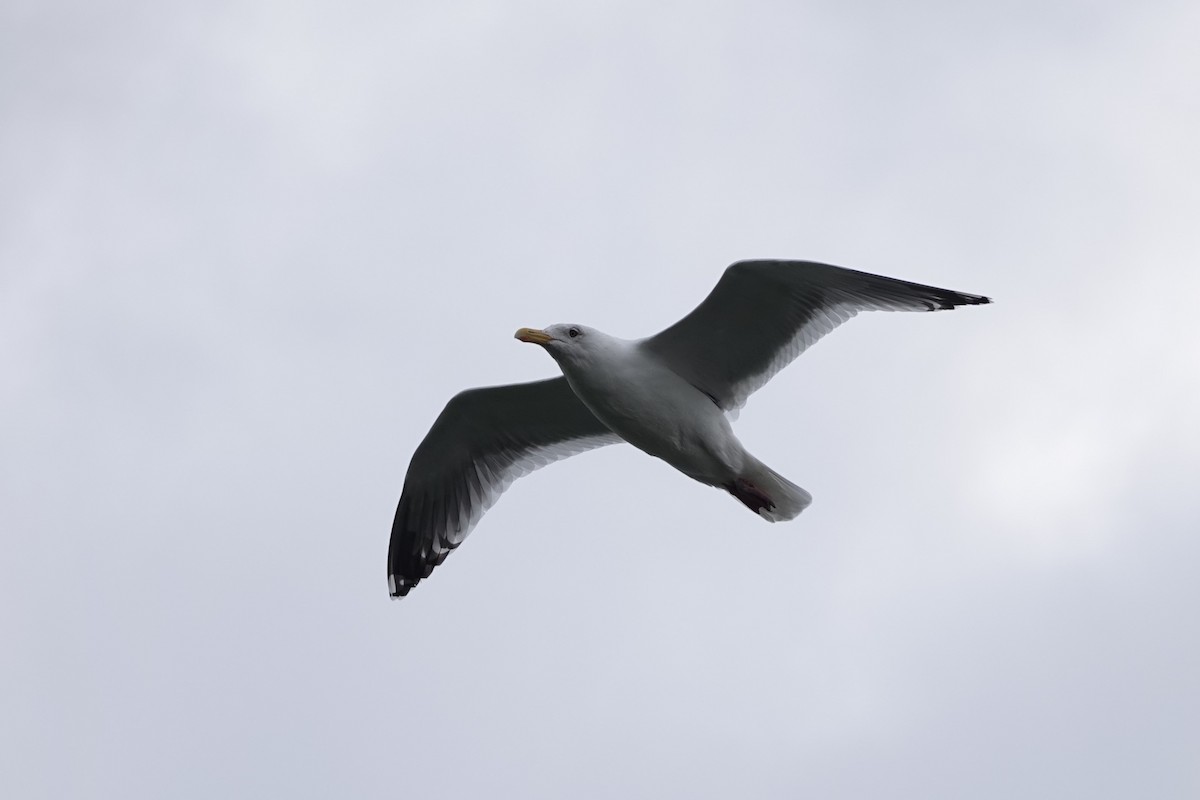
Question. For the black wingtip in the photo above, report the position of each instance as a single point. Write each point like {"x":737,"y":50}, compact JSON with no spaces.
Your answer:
{"x":400,"y":588}
{"x":956,"y":299}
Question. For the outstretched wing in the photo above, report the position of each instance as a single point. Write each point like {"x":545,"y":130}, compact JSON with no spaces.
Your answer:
{"x":483,"y":440}
{"x":763,"y":314}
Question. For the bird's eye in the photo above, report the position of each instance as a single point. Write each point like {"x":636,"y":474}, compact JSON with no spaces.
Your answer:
{"x":573,"y":332}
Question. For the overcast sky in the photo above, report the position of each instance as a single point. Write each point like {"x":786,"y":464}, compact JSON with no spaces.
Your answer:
{"x":248,"y":250}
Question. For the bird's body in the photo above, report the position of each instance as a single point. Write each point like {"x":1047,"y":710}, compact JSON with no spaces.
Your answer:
{"x":670,"y":395}
{"x":652,"y":408}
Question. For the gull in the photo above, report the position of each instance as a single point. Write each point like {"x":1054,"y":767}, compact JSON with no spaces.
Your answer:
{"x":671,"y":395}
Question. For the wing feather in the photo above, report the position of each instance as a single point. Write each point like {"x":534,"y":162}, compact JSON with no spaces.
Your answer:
{"x":483,"y":440}
{"x":761,"y":315}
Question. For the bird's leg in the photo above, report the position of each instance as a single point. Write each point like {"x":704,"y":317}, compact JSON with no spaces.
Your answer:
{"x":750,"y":495}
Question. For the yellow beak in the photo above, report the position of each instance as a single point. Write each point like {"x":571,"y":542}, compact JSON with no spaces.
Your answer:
{"x":534,"y":336}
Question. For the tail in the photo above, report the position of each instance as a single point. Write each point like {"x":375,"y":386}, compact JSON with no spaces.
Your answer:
{"x":767,"y":493}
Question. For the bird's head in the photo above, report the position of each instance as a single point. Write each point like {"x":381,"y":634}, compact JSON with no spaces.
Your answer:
{"x":565,"y":342}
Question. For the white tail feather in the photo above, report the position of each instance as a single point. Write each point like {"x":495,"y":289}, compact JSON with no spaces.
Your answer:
{"x":787,"y":498}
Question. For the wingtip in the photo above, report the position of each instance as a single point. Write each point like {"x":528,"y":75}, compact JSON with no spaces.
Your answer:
{"x":962,"y":299}
{"x":400,"y":589}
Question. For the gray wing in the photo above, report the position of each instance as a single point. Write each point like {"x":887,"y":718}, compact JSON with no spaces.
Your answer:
{"x":763,"y":314}
{"x":483,"y":440}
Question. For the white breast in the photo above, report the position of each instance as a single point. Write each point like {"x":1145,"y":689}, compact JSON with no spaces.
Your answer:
{"x":657,"y":411}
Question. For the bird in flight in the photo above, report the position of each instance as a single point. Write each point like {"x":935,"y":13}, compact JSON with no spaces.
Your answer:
{"x":671,"y":395}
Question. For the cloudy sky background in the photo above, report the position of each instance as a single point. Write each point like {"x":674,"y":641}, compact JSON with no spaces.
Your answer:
{"x":248,"y":250}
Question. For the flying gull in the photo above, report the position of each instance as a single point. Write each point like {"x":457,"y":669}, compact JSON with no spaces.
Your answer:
{"x":671,"y":395}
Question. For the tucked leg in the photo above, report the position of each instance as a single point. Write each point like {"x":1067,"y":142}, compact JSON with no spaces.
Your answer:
{"x":750,"y":495}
